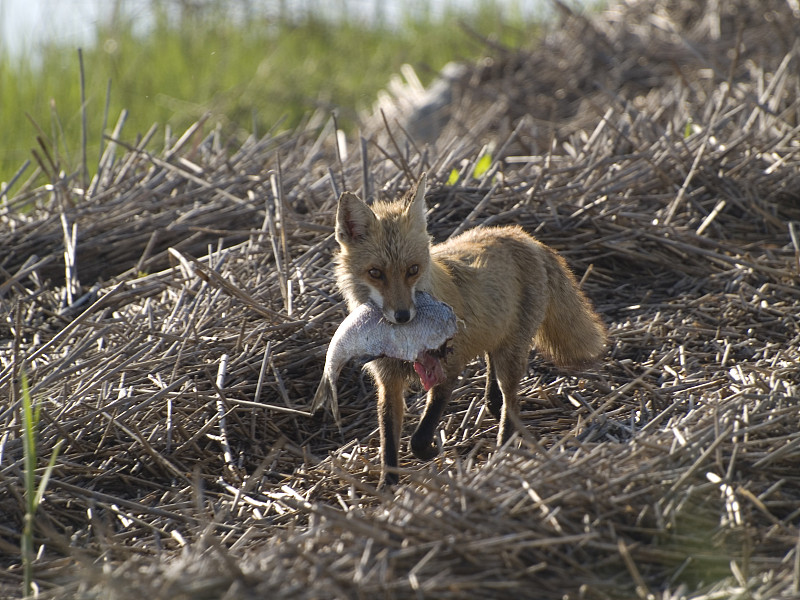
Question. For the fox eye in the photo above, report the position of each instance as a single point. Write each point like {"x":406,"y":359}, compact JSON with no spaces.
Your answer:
{"x":375,"y":273}
{"x":413,"y":270}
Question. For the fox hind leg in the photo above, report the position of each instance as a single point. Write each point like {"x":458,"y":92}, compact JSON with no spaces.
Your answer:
{"x":507,"y":368}
{"x":493,"y":395}
{"x":510,"y":361}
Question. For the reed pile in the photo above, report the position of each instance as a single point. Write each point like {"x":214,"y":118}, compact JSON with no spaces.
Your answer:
{"x":173,"y":313}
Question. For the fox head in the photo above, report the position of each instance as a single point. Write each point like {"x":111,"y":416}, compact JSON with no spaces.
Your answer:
{"x":384,"y":252}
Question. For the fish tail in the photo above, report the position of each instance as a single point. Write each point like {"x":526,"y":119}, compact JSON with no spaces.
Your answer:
{"x":326,"y":394}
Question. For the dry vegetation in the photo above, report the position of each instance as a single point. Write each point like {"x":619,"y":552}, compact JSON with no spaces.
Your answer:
{"x":655,"y":145}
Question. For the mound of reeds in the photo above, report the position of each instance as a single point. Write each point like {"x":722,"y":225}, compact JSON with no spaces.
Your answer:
{"x":173,"y":313}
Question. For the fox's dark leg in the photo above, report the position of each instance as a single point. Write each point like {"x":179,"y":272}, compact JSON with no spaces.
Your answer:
{"x":493,"y":396}
{"x":391,"y":408}
{"x":422,"y":444}
{"x":509,"y":367}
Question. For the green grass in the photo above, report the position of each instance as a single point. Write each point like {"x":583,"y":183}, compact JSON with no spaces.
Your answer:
{"x":33,"y":493}
{"x":247,"y":75}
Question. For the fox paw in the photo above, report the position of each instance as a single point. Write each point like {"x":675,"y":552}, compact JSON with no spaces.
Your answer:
{"x":389,"y":481}
{"x":424,"y":449}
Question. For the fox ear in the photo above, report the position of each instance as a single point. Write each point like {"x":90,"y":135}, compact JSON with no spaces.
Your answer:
{"x":416,"y":204}
{"x":353,"y":219}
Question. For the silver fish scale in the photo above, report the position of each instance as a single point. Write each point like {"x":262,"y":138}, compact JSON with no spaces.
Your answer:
{"x":365,"y":333}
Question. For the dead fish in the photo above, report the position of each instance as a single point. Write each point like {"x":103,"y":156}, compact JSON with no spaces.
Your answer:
{"x":366,"y":334}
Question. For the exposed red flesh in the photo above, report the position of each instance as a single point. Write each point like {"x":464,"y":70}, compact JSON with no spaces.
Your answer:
{"x":430,"y":371}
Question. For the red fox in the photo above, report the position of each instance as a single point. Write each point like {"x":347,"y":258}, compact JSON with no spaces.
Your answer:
{"x":509,"y":293}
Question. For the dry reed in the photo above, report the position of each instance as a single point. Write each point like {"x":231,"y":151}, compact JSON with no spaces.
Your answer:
{"x":173,"y":318}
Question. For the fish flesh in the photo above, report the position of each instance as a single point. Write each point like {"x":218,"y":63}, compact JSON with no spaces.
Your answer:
{"x":366,"y":334}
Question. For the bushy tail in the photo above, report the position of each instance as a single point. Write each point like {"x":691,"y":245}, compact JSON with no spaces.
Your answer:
{"x":326,"y":394}
{"x":571,"y":333}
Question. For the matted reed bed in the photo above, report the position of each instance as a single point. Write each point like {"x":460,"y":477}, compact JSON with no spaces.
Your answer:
{"x":173,"y":313}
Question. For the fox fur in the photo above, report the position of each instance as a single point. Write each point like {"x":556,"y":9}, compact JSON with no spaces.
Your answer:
{"x":509,"y":292}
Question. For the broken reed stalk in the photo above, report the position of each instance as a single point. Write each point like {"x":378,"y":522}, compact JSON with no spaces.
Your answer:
{"x":84,"y":125}
{"x":223,"y":433}
{"x":668,"y":468}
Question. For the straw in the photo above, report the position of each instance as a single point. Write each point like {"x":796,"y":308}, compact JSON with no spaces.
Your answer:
{"x":661,"y":164}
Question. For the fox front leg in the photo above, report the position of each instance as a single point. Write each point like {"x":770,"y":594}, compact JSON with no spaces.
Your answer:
{"x":422,"y":442}
{"x":391,"y":407}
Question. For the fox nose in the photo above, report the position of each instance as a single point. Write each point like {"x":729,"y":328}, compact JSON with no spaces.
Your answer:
{"x":402,"y":316}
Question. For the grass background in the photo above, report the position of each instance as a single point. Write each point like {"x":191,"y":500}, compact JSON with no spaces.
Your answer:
{"x":251,"y":70}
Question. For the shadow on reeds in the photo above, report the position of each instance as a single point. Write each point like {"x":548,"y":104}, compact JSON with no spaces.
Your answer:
{"x":203,"y":288}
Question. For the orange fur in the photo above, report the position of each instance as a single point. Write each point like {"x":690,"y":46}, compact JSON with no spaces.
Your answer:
{"x":509,"y":292}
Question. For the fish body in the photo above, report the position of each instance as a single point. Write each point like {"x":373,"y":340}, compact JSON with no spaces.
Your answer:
{"x":508,"y":290}
{"x":367,"y":334}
